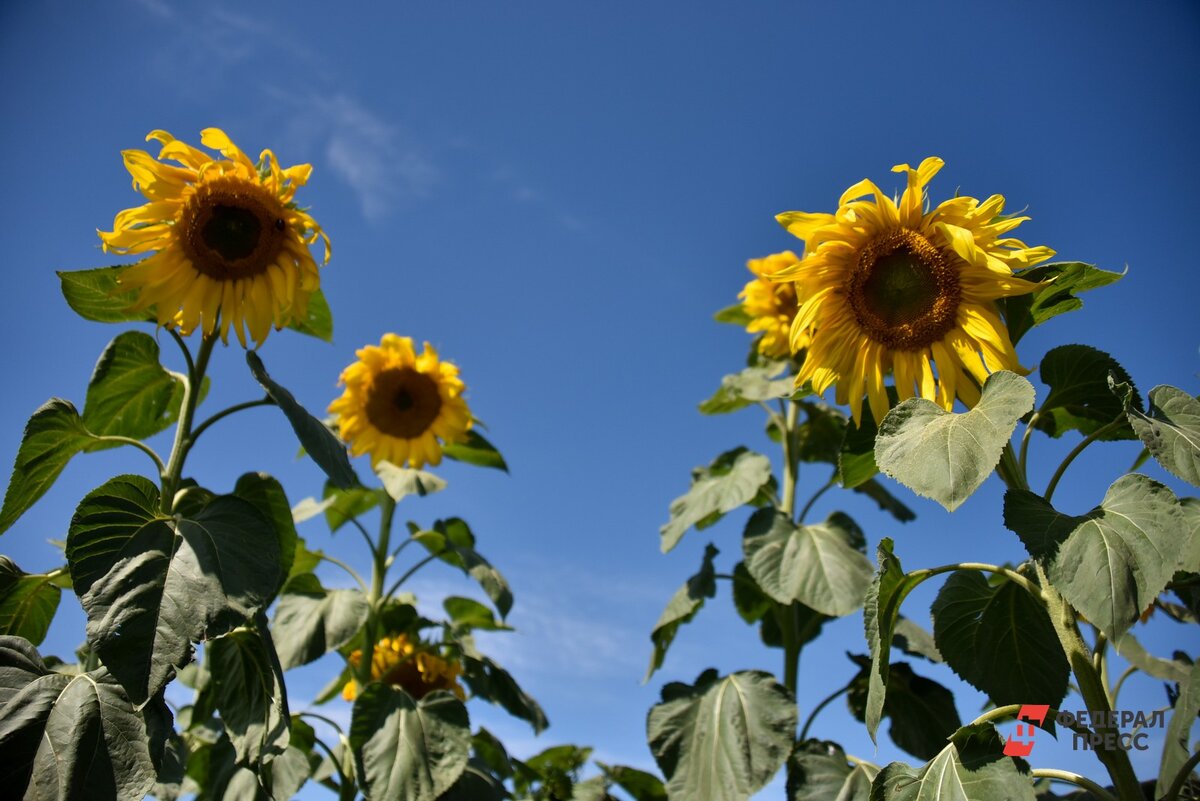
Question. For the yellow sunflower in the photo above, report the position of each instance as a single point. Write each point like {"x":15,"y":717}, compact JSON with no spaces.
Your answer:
{"x":415,"y":667}
{"x":229,"y":243}
{"x":890,"y":287}
{"x":398,"y":405}
{"x":772,"y":305}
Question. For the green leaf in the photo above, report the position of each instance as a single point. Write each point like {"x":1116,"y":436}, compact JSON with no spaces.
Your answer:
{"x":970,"y":768}
{"x":151,"y":586}
{"x":318,"y":319}
{"x":752,"y":385}
{"x":640,"y":785}
{"x":818,"y":771}
{"x":476,"y":783}
{"x":1061,"y":282}
{"x":27,"y":602}
{"x":476,"y":450}
{"x":247,"y":686}
{"x":921,"y":711}
{"x":733,"y":315}
{"x":1171,"y":431}
{"x":1080,"y":398}
{"x":319,"y":442}
{"x":1166,"y":669}
{"x":268,"y":497}
{"x":52,"y":436}
{"x":130,"y":394}
{"x":68,"y":736}
{"x":400,"y":482}
{"x":470,"y":614}
{"x":682,"y":607}
{"x":339,"y":506}
{"x":493,"y":683}
{"x":856,"y":460}
{"x":881,"y":610}
{"x":885,"y":500}
{"x":915,"y":641}
{"x":1111,"y":563}
{"x":311,"y":621}
{"x":1177,"y":748}
{"x":722,"y":739}
{"x":735,"y":478}
{"x":946,"y":456}
{"x":96,"y":295}
{"x":1000,"y":639}
{"x":408,"y":750}
{"x":452,"y":541}
{"x":821,"y":566}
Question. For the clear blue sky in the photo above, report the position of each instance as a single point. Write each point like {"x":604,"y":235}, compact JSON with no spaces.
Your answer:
{"x":558,"y":195}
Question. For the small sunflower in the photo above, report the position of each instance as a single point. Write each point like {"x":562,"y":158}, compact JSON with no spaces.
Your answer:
{"x":398,"y":406}
{"x":890,"y":287}
{"x":230,"y":245}
{"x":772,"y":305}
{"x":415,"y":667}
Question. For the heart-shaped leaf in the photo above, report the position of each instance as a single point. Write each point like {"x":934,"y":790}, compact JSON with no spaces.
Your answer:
{"x":1171,"y":431}
{"x":682,"y":607}
{"x":970,"y":768}
{"x":733,"y":479}
{"x":27,"y":602}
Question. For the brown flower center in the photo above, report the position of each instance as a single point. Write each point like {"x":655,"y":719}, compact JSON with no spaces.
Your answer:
{"x":904,"y":293}
{"x":403,"y":402}
{"x":232,"y":228}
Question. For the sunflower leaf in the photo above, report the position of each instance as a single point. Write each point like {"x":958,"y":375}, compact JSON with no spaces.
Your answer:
{"x":640,"y":785}
{"x":248,"y":691}
{"x":752,"y":385}
{"x":52,"y":436}
{"x":734,"y":478}
{"x":321,"y":444}
{"x":1171,"y":432}
{"x":970,"y":766}
{"x":1112,"y":562}
{"x":96,"y":295}
{"x":267,"y":495}
{"x":1177,"y":748}
{"x":493,"y":683}
{"x":400,"y":482}
{"x":947,"y":456}
{"x":818,"y":771}
{"x":152,"y":585}
{"x":733,"y":315}
{"x":475,"y":449}
{"x":921,"y":711}
{"x":682,"y":607}
{"x":27,"y":602}
{"x":1060,"y":282}
{"x":1080,"y":398}
{"x":311,"y":621}
{"x":881,"y":611}
{"x":318,"y":319}
{"x":130,"y":394}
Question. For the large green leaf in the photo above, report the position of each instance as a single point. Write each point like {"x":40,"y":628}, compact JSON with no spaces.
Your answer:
{"x":319,"y":442}
{"x":881,"y":610}
{"x":1171,"y":431}
{"x":493,"y":683}
{"x":640,"y":785}
{"x":1112,"y":562}
{"x":970,"y":768}
{"x":722,"y":739}
{"x":1177,"y":747}
{"x":52,"y":436}
{"x":682,"y":607}
{"x":1080,"y":398}
{"x":247,"y":687}
{"x":339,"y":506}
{"x":311,"y":621}
{"x":267,"y":495}
{"x":452,"y":541}
{"x":408,"y":750}
{"x":151,"y":586}
{"x":96,"y":295}
{"x":752,"y":385}
{"x":821,"y":566}
{"x":733,"y":315}
{"x":946,"y":456}
{"x":1060,"y":283}
{"x":735,"y":478}
{"x":921,"y":711}
{"x":27,"y":602}
{"x":318,"y":319}
{"x":130,"y":394}
{"x":818,"y":771}
{"x":475,"y":449}
{"x":476,"y":783}
{"x":400,"y":482}
{"x":68,"y":736}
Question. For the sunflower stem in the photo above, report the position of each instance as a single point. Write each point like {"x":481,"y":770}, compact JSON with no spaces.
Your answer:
{"x":791,"y":472}
{"x":1010,"y":470}
{"x":817,"y":709}
{"x":786,"y":616}
{"x":1078,"y":449}
{"x":183,"y":430}
{"x":408,"y":574}
{"x":816,"y":496}
{"x":1073,"y":778}
{"x":1022,"y":459}
{"x":237,"y":407}
{"x":375,"y":596}
{"x":143,"y":447}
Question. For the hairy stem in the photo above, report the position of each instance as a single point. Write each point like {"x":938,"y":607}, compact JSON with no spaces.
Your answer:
{"x":1073,"y":778}
{"x":183,"y":430}
{"x":1078,"y":449}
{"x":812,"y":716}
{"x":379,"y":567}
{"x":200,"y":429}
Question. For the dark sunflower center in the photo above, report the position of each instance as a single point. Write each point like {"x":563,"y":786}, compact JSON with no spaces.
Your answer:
{"x":232,"y":228}
{"x":904,"y":292}
{"x":403,"y":402}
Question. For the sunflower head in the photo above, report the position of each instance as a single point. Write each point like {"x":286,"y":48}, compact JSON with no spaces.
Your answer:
{"x":898,"y":287}
{"x":771,"y":305}
{"x":413,"y":666}
{"x":401,"y":407}
{"x":228,"y":245}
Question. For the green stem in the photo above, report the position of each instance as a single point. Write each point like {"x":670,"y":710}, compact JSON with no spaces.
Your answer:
{"x":346,"y":789}
{"x":1116,"y":690}
{"x":1012,"y":575}
{"x":808,"y":506}
{"x":1022,"y":459}
{"x":379,"y":567}
{"x":1181,"y":777}
{"x":187,"y":354}
{"x":1010,"y":470}
{"x":408,"y":574}
{"x":1078,"y":449}
{"x":119,"y":440}
{"x":791,"y":472}
{"x":817,"y":709}
{"x":200,"y":429}
{"x":183,"y":431}
{"x":787,"y":616}
{"x":351,"y":571}
{"x":999,"y":713}
{"x":1073,"y":778}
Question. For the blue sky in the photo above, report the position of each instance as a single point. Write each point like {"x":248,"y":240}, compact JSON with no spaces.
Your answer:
{"x":558,"y":196}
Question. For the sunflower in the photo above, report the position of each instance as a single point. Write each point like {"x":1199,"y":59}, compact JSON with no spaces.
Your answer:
{"x":890,"y":287}
{"x":230,"y":245}
{"x":415,"y":667}
{"x":398,"y":405}
{"x":771,"y":305}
